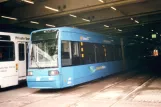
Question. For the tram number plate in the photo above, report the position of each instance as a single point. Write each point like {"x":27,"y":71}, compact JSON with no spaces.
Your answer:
{"x":38,"y":78}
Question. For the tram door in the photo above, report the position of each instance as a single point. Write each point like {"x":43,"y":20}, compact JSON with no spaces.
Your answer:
{"x":22,"y":59}
{"x":27,"y":50}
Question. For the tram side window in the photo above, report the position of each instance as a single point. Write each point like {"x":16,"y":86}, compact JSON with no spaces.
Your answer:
{"x":66,"y":56}
{"x":21,"y":52}
{"x":100,"y":54}
{"x":80,"y":53}
{"x":75,"y":47}
{"x":116,"y":53}
{"x":109,"y":53}
{"x":88,"y":56}
{"x":7,"y":51}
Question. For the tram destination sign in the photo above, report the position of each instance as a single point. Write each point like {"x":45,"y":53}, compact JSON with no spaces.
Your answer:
{"x":22,"y":38}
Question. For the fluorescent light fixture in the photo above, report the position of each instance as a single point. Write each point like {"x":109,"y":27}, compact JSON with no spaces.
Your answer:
{"x":113,"y":8}
{"x":50,"y":25}
{"x":137,"y":35}
{"x":72,"y":15}
{"x":106,"y":26}
{"x":50,"y":8}
{"x":136,"y":21}
{"x":6,"y":17}
{"x":156,"y":32}
{"x":152,"y":30}
{"x":147,"y":38}
{"x":119,"y":30}
{"x":101,"y":1}
{"x":132,"y":19}
{"x":28,"y":1}
{"x":34,"y":22}
{"x":142,"y":37}
{"x":86,"y":20}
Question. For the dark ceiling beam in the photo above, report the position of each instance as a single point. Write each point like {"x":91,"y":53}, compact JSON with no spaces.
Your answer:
{"x":118,"y":18}
{"x":128,"y":26}
{"x":124,"y":24}
{"x":104,"y":18}
{"x":116,"y":23}
{"x":34,"y":12}
{"x":105,"y":15}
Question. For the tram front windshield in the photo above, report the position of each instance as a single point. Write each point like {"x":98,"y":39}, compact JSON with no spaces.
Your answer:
{"x":44,"y":49}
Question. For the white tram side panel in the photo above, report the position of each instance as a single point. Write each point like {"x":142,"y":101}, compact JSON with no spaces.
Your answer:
{"x":13,"y":58}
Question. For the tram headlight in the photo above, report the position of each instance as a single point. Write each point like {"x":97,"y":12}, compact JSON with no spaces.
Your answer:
{"x":53,"y":72}
{"x":30,"y":73}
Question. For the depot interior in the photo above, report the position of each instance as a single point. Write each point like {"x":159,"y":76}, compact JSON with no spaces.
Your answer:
{"x":139,"y":21}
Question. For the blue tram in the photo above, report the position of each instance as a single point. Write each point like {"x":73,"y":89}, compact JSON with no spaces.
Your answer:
{"x":64,"y":57}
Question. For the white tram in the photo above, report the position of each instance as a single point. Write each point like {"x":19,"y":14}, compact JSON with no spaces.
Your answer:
{"x":13,"y":58}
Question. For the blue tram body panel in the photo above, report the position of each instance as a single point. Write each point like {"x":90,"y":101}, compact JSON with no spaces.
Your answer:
{"x":73,"y":75}
{"x":84,"y":73}
{"x":70,"y":76}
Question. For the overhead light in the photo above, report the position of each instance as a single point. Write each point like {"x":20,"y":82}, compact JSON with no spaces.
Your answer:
{"x":156,"y":32}
{"x":113,"y":8}
{"x":28,"y":1}
{"x":137,"y":35}
{"x":101,"y":1}
{"x":6,"y":17}
{"x":50,"y":25}
{"x":152,"y":30}
{"x":106,"y":26}
{"x":86,"y":20}
{"x":142,"y":37}
{"x":72,"y":15}
{"x":34,"y":22}
{"x":119,"y":30}
{"x":50,"y":8}
{"x":132,"y":19}
{"x":136,"y":21}
{"x":147,"y":38}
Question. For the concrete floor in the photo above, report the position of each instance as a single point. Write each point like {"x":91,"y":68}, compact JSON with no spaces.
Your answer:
{"x":137,"y":88}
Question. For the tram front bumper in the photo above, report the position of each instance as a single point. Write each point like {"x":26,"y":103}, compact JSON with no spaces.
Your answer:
{"x":43,"y":82}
